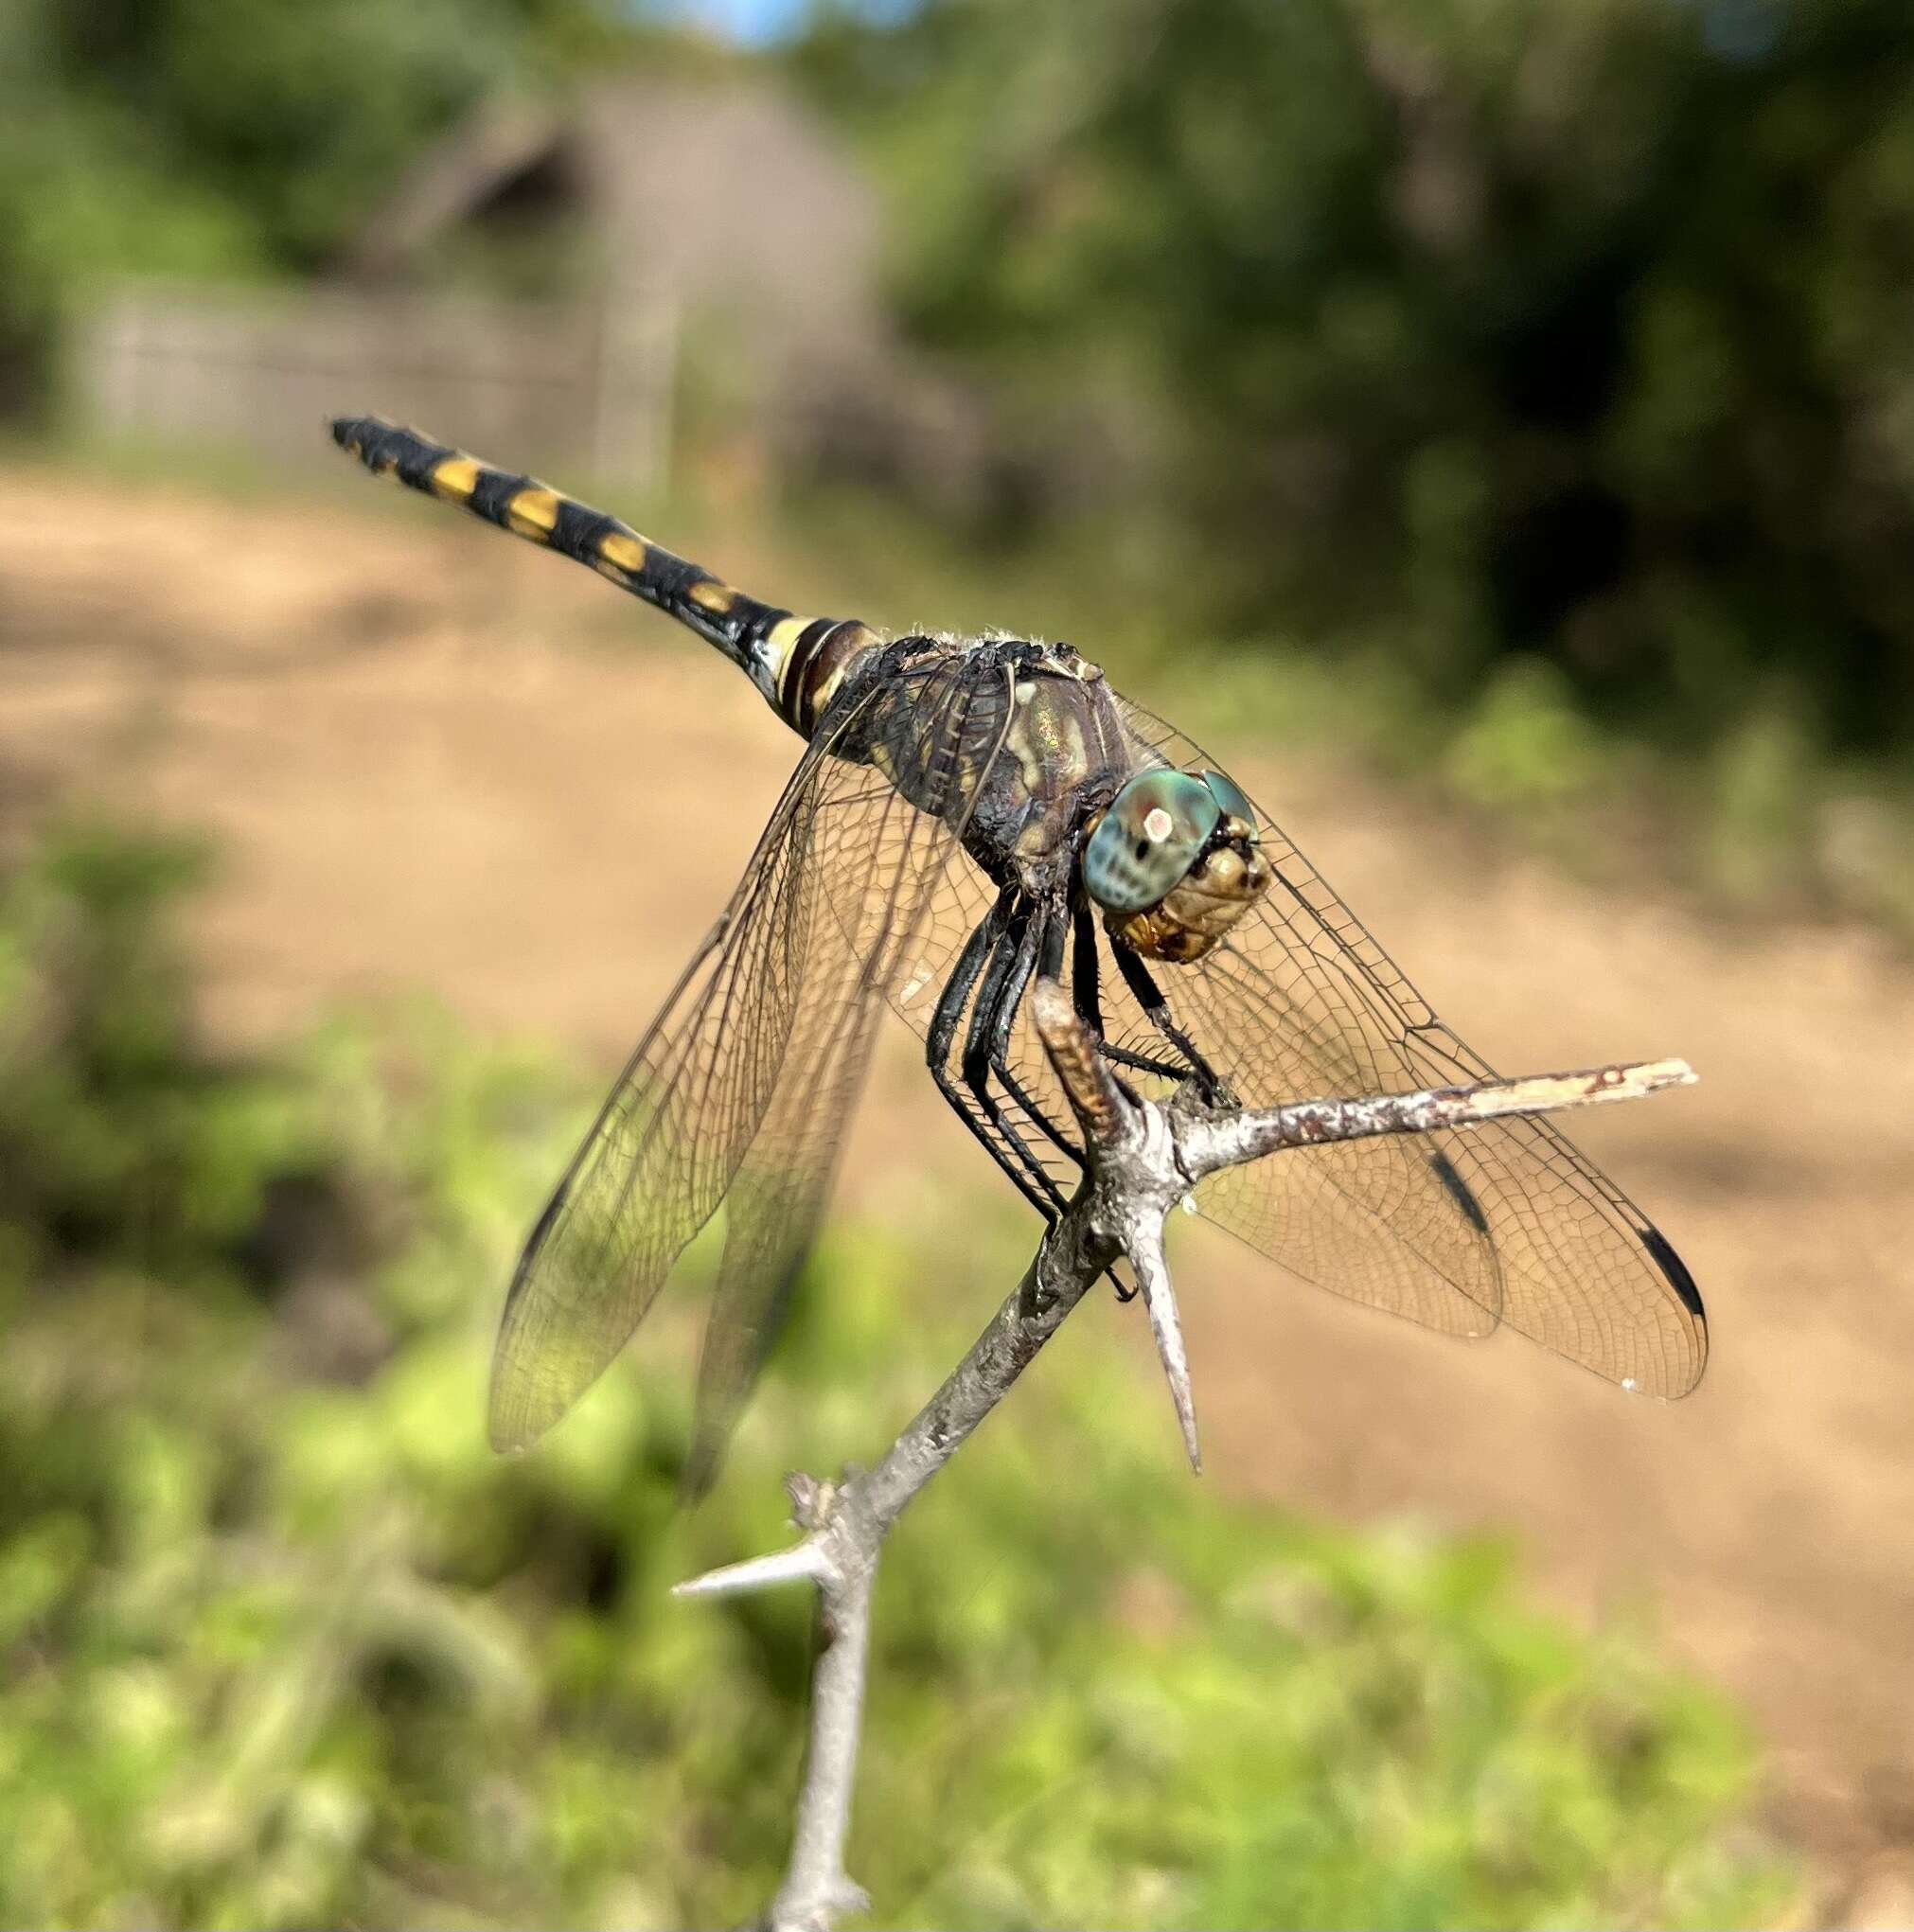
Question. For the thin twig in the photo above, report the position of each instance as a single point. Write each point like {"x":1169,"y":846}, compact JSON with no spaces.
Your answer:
{"x":1227,"y":1139}
{"x":1142,"y":1160}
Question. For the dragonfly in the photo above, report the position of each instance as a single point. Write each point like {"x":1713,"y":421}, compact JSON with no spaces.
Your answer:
{"x":968,"y":813}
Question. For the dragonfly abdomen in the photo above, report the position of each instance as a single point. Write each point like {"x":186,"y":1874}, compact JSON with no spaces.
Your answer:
{"x":796,"y":663}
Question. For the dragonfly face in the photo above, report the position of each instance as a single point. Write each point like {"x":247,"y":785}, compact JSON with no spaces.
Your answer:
{"x":1174,"y":863}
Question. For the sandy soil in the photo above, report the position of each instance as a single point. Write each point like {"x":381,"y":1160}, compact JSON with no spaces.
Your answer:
{"x":433,"y":758}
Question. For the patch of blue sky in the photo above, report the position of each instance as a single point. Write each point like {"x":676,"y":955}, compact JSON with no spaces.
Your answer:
{"x":765,"y":22}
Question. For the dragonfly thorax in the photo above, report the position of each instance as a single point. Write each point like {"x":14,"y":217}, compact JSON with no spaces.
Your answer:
{"x":1172,"y":858}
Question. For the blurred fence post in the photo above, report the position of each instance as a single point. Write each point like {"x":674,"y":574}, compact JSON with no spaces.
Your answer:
{"x":584,"y":387}
{"x":636,"y":369}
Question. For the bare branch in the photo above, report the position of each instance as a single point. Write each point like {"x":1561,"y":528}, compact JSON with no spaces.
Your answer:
{"x":1143,"y":1161}
{"x":1228,"y":1140}
{"x":817,"y":1889}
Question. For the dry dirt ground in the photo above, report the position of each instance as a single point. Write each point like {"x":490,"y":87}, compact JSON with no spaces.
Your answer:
{"x":437,"y":760}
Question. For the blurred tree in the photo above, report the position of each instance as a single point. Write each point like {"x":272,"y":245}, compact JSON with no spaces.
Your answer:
{"x":1579,"y":330}
{"x":193,"y":136}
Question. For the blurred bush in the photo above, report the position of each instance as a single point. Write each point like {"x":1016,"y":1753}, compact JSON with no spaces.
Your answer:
{"x":281,"y":1643}
{"x":1439,"y":347}
{"x":1579,"y":331}
{"x":226,"y":137}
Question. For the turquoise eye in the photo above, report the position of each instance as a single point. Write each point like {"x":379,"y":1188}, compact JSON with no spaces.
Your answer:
{"x":1150,"y":837}
{"x":1229,"y":794}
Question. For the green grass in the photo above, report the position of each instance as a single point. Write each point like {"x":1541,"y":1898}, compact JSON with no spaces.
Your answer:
{"x":282,"y":1644}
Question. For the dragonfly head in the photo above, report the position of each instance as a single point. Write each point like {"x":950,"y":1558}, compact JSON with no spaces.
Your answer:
{"x":1175,"y":862}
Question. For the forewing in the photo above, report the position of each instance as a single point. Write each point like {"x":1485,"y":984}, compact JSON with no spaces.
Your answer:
{"x":876,"y":868}
{"x":1449,"y":1228}
{"x":664,"y":1148}
{"x":767,"y":1029}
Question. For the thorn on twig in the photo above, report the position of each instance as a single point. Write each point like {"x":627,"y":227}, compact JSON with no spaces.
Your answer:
{"x":803,"y":1563}
{"x":1160,"y":1297}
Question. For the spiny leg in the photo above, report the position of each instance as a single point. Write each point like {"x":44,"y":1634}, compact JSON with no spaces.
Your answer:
{"x":943,"y":1022}
{"x":1144,"y":1063}
{"x":1086,"y":975}
{"x":1086,"y":992}
{"x":1050,"y":959}
{"x":986,"y":1043}
{"x":956,"y":993}
{"x":1157,"y":1011}
{"x":1034,"y":944}
{"x":1050,"y":963}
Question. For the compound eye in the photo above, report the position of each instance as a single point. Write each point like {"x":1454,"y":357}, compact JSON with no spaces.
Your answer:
{"x":1149,"y":838}
{"x":1229,"y":795}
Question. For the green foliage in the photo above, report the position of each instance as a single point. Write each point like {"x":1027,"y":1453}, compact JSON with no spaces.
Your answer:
{"x":235,"y":137}
{"x":1575,"y":331}
{"x":1527,"y":745}
{"x":281,"y":1643}
{"x":114,"y":1146}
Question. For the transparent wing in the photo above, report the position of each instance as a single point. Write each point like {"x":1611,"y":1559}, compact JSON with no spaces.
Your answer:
{"x":1457,"y":1232}
{"x":1374,"y":1221}
{"x":1450,"y":1230}
{"x":741,"y":1085}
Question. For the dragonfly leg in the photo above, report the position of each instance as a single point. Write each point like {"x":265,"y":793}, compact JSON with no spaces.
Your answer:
{"x":988,"y":941}
{"x":1085,"y":983}
{"x":986,"y":1044}
{"x":944,"y":1024}
{"x":1050,"y":963}
{"x":1149,"y":995}
{"x":1050,"y":952}
{"x":1085,"y":973}
{"x":1144,"y":1063}
{"x":1035,"y":949}
{"x":957,"y":988}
